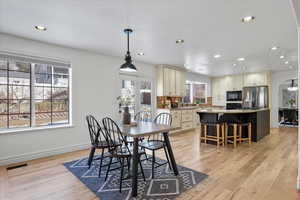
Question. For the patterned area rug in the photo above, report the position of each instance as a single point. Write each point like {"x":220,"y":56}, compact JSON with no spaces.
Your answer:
{"x":165,"y":186}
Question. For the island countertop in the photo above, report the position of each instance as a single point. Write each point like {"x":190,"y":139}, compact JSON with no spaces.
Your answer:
{"x":231,"y":111}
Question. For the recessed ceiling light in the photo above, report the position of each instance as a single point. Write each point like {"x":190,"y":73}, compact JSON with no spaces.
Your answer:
{"x":140,"y":54}
{"x":217,"y":56}
{"x":180,"y":41}
{"x":248,"y":19}
{"x":40,"y":28}
{"x":274,"y":48}
{"x":286,"y":62}
{"x":281,"y":57}
{"x":241,"y":59}
{"x":234,"y":64}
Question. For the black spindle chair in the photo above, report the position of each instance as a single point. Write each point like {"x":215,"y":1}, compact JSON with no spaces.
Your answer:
{"x":98,"y":140}
{"x":156,"y":142}
{"x":119,"y":148}
{"x":143,"y":116}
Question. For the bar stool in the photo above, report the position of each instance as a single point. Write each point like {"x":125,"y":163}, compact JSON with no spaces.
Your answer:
{"x":237,"y":135}
{"x":220,"y":132}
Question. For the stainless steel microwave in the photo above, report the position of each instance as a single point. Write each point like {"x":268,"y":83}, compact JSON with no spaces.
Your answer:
{"x":234,"y":95}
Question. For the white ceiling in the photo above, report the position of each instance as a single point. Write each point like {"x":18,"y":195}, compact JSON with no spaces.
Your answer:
{"x":208,"y":27}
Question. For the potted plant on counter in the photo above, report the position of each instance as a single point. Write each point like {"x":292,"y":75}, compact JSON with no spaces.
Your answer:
{"x":292,"y":102}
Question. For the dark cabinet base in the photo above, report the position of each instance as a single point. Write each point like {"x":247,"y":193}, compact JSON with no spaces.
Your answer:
{"x":260,"y":121}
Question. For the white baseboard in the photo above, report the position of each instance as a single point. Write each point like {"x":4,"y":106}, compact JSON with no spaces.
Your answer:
{"x":34,"y":155}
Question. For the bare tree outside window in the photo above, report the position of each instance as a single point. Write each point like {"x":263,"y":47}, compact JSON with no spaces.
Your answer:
{"x":33,"y":94}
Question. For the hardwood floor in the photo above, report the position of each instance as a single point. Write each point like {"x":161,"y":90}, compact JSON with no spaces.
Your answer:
{"x":266,"y":170}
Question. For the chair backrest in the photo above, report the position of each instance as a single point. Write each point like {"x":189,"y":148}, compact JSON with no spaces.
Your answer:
{"x":115,"y":139}
{"x":162,"y":118}
{"x":143,"y":116}
{"x":95,"y":130}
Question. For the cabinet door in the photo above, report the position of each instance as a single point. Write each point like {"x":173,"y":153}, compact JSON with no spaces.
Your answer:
{"x":255,"y":79}
{"x":219,"y":91}
{"x":167,"y":90}
{"x":178,"y":82}
{"x":237,"y":82}
{"x":183,"y":82}
{"x":172,"y":83}
{"x":215,"y":88}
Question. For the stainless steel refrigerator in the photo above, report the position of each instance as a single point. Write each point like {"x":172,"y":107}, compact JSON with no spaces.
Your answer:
{"x":255,"y":97}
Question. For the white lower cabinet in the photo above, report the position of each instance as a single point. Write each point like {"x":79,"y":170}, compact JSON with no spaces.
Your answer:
{"x":184,"y":119}
{"x":187,"y":125}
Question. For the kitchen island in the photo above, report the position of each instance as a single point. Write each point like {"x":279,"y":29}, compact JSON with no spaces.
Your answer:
{"x":259,"y":118}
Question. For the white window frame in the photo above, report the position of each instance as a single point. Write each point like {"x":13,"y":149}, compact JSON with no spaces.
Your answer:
{"x":192,"y":90}
{"x":9,"y":56}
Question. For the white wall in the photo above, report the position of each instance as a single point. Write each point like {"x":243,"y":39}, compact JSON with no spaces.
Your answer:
{"x":94,"y":91}
{"x":278,"y":78}
{"x":95,"y":87}
{"x":200,"y":78}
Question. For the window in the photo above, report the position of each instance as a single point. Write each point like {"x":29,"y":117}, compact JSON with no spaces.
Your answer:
{"x":195,"y":92}
{"x":33,"y":94}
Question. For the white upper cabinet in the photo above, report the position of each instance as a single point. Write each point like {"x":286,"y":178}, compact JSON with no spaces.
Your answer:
{"x":180,"y":79}
{"x":236,"y":82}
{"x":256,"y":79}
{"x":171,"y":82}
{"x":219,"y":87}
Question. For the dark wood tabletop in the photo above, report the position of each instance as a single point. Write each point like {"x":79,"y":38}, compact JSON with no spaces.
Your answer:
{"x":144,"y":129}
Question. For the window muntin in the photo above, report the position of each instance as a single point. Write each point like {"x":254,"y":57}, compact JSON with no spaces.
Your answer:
{"x":195,"y":92}
{"x":33,"y":94}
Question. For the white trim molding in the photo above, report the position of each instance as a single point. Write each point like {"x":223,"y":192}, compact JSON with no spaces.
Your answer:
{"x":35,"y":155}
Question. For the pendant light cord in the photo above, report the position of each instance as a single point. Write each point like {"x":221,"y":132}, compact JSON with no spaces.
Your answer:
{"x":127,"y":42}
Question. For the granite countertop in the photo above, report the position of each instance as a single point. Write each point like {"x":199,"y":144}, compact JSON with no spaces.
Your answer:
{"x":189,"y":108}
{"x":231,"y":111}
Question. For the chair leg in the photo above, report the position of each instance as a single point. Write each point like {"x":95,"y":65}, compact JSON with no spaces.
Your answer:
{"x":223,"y":134}
{"x":240,"y":134}
{"x":128,"y":165}
{"x":121,"y":177}
{"x":91,"y":156}
{"x":226,"y":133}
{"x":108,"y":168}
{"x":142,"y":170}
{"x":167,"y":156}
{"x":249,"y":133}
{"x":234,"y":135}
{"x":218,"y":135}
{"x":146,"y":154}
{"x":153,"y":162}
{"x":102,"y":153}
{"x":205,"y":133}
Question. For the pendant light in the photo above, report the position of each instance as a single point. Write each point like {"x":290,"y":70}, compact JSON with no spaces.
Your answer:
{"x":293,"y":87}
{"x":128,"y":66}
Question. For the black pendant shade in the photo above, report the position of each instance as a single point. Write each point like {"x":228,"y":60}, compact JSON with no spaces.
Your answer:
{"x":293,"y":86}
{"x":128,"y":66}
